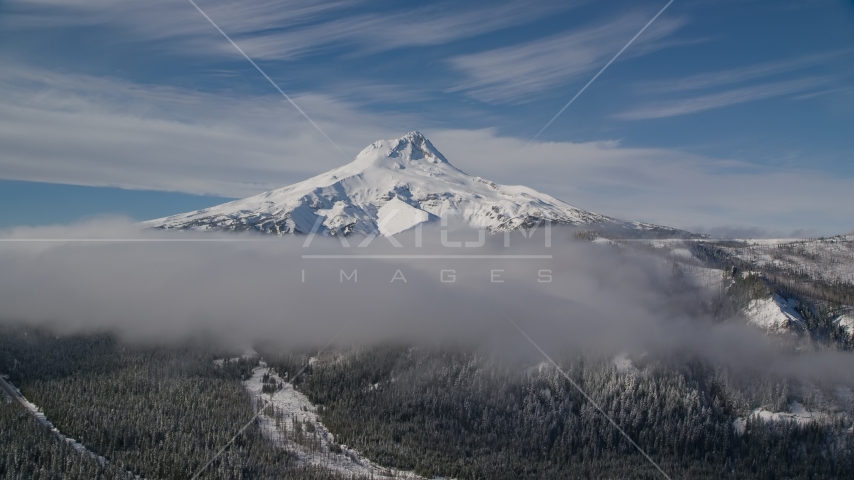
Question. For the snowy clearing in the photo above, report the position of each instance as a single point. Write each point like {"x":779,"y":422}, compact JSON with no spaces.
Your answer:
{"x":847,"y":322}
{"x":775,"y":314}
{"x":797,"y":414}
{"x":290,"y":422}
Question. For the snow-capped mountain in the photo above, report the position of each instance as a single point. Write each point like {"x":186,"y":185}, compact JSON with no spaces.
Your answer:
{"x":391,"y":186}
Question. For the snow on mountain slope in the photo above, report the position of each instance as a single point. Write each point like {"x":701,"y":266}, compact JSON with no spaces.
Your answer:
{"x":847,"y":322}
{"x":293,"y":424}
{"x":776,"y":314}
{"x":391,"y":186}
{"x":826,"y":259}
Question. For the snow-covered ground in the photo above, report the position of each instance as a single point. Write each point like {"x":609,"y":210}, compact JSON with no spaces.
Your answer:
{"x":775,"y":314}
{"x":605,"y":241}
{"x":829,"y":259}
{"x":847,"y":321}
{"x":796,"y":413}
{"x":768,"y":241}
{"x":289,"y":412}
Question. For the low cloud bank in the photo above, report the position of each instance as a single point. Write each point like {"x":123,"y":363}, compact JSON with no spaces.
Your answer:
{"x":568,"y":296}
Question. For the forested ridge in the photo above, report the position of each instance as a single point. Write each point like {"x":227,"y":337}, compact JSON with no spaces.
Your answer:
{"x":157,"y":412}
{"x":465,"y":415}
{"x":161,"y":412}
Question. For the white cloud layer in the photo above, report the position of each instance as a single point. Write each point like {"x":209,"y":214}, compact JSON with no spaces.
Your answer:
{"x":599,"y":299}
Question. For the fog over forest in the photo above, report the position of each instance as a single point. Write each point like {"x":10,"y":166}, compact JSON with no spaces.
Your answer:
{"x":568,"y":295}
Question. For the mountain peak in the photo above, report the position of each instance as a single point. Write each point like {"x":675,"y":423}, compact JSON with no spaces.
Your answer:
{"x":412,"y":149}
{"x":415,"y":146}
{"x":392,"y":185}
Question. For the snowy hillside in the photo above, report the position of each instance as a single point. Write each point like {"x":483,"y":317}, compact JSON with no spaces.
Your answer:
{"x":293,"y":424}
{"x":847,"y":321}
{"x":391,"y":186}
{"x":825,"y":259}
{"x":774,"y":314}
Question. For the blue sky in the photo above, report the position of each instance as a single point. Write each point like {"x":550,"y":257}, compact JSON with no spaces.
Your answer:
{"x":724,"y":116}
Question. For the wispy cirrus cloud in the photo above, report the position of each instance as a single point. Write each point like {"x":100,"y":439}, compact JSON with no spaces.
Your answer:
{"x":516,"y":73}
{"x":274,"y":30}
{"x":167,"y":19}
{"x":737,"y":75}
{"x":717,"y":89}
{"x":672,"y":108}
{"x":373,"y":33}
{"x":99,"y":131}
